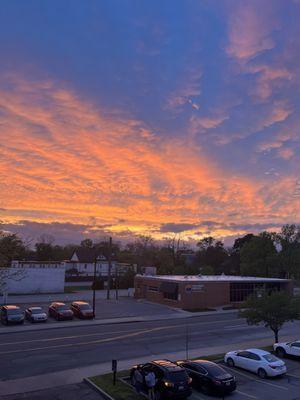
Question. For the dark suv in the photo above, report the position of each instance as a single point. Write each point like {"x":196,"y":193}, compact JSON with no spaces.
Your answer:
{"x":12,"y":315}
{"x":172,"y":380}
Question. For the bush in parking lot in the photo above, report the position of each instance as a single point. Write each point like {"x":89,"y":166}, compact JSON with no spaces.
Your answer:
{"x":272,"y":310}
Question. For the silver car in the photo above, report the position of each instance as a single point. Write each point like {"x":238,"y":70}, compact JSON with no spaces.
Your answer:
{"x":35,"y":314}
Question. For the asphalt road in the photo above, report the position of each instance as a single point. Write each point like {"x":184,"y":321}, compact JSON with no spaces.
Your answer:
{"x":38,"y":352}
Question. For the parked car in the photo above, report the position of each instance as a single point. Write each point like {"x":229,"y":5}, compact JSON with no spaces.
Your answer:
{"x":11,"y":315}
{"x":35,"y":314}
{"x":172,"y":380}
{"x":209,"y":377}
{"x":82,"y":309}
{"x":60,"y":311}
{"x":258,"y":361}
{"x":288,"y":348}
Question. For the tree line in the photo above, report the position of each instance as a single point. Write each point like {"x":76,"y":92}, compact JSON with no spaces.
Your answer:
{"x":268,"y":254}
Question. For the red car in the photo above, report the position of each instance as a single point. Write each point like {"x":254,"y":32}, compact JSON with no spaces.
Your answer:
{"x":83,"y":310}
{"x":60,"y":311}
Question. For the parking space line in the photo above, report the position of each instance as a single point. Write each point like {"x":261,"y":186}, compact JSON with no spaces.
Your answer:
{"x":293,"y":376}
{"x":255,"y":379}
{"x":197,"y":395}
{"x":246,"y":394}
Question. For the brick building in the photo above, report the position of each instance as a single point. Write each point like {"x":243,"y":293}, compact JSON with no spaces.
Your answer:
{"x":202,"y":292}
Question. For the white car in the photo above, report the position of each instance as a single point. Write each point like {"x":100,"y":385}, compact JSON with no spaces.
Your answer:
{"x":35,"y":314}
{"x":288,"y":348}
{"x":261,"y":362}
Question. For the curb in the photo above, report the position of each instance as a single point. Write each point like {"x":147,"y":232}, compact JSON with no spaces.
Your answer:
{"x":97,"y":389}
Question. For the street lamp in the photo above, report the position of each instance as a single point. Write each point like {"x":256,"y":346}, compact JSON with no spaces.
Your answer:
{"x":94,"y":287}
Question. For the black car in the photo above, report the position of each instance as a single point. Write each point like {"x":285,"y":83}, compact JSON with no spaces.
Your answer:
{"x":173,"y":381}
{"x":209,"y":377}
{"x":12,"y":315}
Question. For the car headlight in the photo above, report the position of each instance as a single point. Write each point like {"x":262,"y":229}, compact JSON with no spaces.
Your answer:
{"x":169,"y":384}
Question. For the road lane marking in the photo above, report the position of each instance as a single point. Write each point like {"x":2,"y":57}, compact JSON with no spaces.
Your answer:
{"x":110,"y":339}
{"x":62,"y":338}
{"x":101,"y":334}
{"x":246,"y":394}
{"x":255,"y":379}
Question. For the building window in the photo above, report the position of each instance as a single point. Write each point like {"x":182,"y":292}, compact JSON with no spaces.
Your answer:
{"x":239,"y":292}
{"x":152,"y":289}
{"x":85,"y":266}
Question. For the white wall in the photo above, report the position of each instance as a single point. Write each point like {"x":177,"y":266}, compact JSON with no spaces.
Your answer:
{"x":35,"y":280}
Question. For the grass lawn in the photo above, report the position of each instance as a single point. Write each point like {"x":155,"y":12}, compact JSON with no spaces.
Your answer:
{"x":120,"y":391}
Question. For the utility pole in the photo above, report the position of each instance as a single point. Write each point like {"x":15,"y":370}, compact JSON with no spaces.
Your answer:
{"x":187,"y":341}
{"x":117,"y":282}
{"x":94,"y":286}
{"x":109,"y":269}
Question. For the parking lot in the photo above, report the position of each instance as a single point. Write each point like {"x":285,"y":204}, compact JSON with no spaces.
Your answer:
{"x":250,"y":386}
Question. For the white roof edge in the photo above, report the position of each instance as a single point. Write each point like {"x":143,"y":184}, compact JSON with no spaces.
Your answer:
{"x":212,"y":278}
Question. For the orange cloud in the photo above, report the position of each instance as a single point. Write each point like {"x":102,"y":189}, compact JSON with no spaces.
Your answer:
{"x":64,"y":160}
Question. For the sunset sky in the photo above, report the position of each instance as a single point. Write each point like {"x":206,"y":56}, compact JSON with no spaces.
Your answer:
{"x":128,"y":117}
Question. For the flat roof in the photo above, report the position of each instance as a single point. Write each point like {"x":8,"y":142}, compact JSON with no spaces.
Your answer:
{"x":212,"y":278}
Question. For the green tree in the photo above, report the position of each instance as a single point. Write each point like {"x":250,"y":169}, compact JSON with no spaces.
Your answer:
{"x":259,"y":256}
{"x":289,"y":255}
{"x":211,"y":253}
{"x":87,"y":243}
{"x":11,"y":248}
{"x":272,"y":310}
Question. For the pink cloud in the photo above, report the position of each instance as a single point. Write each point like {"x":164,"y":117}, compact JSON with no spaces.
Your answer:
{"x":250,"y":28}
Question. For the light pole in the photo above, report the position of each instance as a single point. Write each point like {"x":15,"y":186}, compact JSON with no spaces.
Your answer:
{"x":109,"y":269}
{"x":94,"y":287}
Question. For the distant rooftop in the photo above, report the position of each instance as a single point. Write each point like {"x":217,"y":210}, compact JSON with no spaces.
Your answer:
{"x":213,"y":278}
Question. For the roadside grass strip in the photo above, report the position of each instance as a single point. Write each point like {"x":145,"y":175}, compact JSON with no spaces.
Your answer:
{"x":121,"y":391}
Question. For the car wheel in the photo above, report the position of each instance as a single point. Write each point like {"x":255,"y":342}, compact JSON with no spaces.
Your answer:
{"x":280,"y":352}
{"x":230,"y":362}
{"x":262,"y":373}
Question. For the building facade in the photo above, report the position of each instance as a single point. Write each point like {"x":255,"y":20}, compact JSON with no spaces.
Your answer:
{"x":204,"y":292}
{"x":29,"y":277}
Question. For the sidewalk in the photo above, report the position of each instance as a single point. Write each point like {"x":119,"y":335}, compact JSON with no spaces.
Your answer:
{"x":76,"y":375}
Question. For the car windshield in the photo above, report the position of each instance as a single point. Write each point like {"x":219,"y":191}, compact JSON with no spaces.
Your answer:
{"x":214,"y":370}
{"x":85,"y":307}
{"x":62,"y":308}
{"x":270,"y":358}
{"x":14,"y":312}
{"x":36,"y":310}
{"x":178,"y":376}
